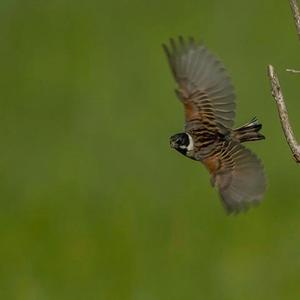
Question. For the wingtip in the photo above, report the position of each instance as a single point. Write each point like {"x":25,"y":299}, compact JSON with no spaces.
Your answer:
{"x":166,"y":50}
{"x":181,"y":40}
{"x":173,"y":45}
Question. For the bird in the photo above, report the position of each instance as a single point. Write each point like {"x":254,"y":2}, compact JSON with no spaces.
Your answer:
{"x":208,"y":97}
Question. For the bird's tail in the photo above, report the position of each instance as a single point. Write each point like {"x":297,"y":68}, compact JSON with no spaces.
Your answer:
{"x":249,"y":132}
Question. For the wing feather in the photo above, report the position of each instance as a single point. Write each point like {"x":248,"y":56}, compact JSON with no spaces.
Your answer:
{"x":203,"y":84}
{"x":239,"y":176}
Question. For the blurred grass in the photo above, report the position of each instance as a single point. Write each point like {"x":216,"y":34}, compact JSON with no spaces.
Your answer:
{"x":94,"y":203}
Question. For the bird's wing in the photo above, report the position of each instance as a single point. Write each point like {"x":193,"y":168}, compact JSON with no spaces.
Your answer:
{"x":203,"y":84}
{"x":238,"y":174}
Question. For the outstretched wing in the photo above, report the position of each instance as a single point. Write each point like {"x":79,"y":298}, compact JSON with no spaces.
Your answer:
{"x":203,"y":84}
{"x":238,"y":174}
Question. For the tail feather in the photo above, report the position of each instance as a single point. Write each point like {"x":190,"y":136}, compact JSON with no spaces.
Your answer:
{"x":249,"y":131}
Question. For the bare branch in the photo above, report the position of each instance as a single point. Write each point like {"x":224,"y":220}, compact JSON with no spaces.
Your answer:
{"x":295,"y":11}
{"x":293,"y":71}
{"x":278,"y":96}
{"x":283,"y":114}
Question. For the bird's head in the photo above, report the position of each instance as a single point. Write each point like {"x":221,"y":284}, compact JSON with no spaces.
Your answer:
{"x":182,"y":142}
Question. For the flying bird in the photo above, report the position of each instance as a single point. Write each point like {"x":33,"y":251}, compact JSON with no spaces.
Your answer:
{"x":208,"y":98}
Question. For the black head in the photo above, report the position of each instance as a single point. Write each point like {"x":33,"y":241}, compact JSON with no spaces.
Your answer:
{"x":180,"y":142}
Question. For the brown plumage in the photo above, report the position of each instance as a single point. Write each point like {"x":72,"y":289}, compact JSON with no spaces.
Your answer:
{"x":208,"y":98}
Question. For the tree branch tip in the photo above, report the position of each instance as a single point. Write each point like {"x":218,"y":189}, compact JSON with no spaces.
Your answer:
{"x":271,"y":71}
{"x":293,"y":71}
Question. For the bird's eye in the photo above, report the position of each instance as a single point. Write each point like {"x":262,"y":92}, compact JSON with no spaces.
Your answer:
{"x":183,"y":140}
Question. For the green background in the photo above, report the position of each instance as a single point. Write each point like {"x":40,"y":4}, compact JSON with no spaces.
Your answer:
{"x":94,"y":204}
